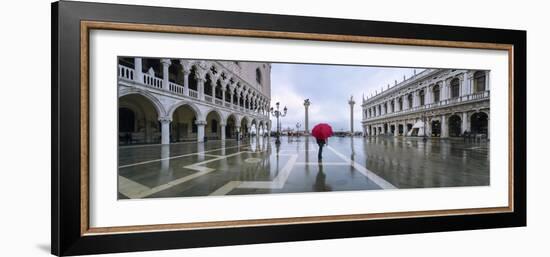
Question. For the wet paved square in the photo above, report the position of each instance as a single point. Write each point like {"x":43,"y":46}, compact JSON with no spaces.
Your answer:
{"x":262,"y":167}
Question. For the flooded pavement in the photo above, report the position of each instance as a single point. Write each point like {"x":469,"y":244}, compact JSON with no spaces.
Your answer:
{"x":262,"y":167}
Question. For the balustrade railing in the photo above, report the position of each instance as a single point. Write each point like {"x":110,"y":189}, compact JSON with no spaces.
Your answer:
{"x":173,"y":87}
{"x":125,"y":72}
{"x":152,"y":81}
{"x":147,"y":80}
{"x":193,"y":93}
{"x":450,"y":101}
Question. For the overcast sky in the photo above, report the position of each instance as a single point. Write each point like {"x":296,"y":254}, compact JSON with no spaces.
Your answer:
{"x":329,"y":88}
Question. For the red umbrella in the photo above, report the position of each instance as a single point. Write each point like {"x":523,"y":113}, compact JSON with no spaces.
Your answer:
{"x":321,"y":131}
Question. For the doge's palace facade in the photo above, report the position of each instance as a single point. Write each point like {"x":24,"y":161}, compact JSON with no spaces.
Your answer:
{"x":173,"y":100}
{"x":435,"y":103}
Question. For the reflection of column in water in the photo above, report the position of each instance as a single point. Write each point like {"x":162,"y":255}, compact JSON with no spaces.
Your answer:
{"x":307,"y":152}
{"x":352,"y":149}
{"x":428,"y":147}
{"x":200,"y":149}
{"x":223,"y":148}
{"x":165,"y":155}
{"x":223,"y":161}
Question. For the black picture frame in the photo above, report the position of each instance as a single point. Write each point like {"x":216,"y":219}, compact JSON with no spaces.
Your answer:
{"x":66,"y":233}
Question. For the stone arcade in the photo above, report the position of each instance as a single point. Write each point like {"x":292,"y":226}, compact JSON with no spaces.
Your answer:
{"x":173,"y":100}
{"x":435,"y":103}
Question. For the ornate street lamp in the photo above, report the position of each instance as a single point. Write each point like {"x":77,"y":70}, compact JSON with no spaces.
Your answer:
{"x":278,"y":114}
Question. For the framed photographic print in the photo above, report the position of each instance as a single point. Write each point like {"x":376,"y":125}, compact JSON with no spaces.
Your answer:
{"x":178,"y":128}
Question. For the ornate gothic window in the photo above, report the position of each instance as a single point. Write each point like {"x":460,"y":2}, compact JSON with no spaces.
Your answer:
{"x":455,"y":88}
{"x":479,"y":81}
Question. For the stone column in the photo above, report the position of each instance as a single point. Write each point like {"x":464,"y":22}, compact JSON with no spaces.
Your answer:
{"x":231,"y":93}
{"x":444,"y":129}
{"x":165,"y":74}
{"x":222,"y":130}
{"x":428,"y":95}
{"x":465,"y":126}
{"x":138,"y":70}
{"x":200,"y":88}
{"x":213,"y":86}
{"x":465,"y":85}
{"x":238,"y":132}
{"x":405,"y":129}
{"x":351,"y":102}
{"x":444,"y":90}
{"x":186,"y":72}
{"x":165,"y":130}
{"x":306,"y":123}
{"x":200,"y":130}
{"x":223,"y":94}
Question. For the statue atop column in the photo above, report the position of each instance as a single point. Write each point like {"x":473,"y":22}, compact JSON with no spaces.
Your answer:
{"x":351,"y":102}
{"x":306,"y":106}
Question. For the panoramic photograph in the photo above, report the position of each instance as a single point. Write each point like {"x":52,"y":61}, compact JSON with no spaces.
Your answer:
{"x":191,"y":128}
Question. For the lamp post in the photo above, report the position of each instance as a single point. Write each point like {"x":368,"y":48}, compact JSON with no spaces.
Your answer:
{"x":278,"y":114}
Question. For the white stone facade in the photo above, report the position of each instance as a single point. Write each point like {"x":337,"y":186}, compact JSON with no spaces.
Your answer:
{"x":172,"y":100}
{"x":436,"y":103}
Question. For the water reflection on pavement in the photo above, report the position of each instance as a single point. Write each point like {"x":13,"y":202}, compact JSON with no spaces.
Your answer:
{"x":259,"y":166}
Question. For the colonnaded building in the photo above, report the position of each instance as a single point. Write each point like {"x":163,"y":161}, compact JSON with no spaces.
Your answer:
{"x":436,"y":103}
{"x":174,"y":100}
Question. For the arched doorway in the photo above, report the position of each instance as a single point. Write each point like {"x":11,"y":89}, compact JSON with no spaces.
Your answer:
{"x":480,"y":123}
{"x":212,"y":129}
{"x":183,"y":127}
{"x":400,"y":129}
{"x":137,"y":120}
{"x":436,"y":128}
{"x":385,"y":128}
{"x":455,"y":126}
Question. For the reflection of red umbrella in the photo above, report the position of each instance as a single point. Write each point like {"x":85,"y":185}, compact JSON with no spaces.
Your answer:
{"x":321,"y":131}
